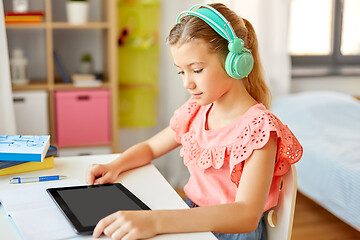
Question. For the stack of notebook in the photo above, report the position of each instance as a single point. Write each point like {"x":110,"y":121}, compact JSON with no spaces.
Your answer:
{"x":24,"y":17}
{"x":25,"y":153}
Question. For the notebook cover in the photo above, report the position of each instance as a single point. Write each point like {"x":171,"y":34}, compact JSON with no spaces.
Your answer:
{"x":52,"y":151}
{"x":24,"y":147}
{"x":29,"y":166}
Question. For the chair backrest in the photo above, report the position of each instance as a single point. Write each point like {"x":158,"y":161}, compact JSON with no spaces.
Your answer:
{"x":279,"y":220}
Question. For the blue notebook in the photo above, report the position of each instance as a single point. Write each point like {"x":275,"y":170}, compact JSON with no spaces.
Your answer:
{"x":31,"y":148}
{"x":52,"y":151}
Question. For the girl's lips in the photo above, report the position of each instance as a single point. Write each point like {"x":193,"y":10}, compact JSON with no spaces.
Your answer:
{"x":196,"y":95}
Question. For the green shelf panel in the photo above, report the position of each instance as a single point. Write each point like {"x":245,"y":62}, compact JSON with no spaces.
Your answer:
{"x":137,"y":107}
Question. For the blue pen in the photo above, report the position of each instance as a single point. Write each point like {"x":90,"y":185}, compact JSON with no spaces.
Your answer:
{"x":36,"y":179}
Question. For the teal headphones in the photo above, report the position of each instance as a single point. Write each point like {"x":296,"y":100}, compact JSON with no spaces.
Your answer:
{"x":239,"y":61}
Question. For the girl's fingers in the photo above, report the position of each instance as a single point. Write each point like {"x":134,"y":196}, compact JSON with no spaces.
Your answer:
{"x":90,"y":178}
{"x":102,"y":224}
{"x":92,"y":172}
{"x":124,"y":225}
{"x":117,"y":229}
{"x":120,"y":233}
{"x":103,"y":179}
{"x":129,"y":236}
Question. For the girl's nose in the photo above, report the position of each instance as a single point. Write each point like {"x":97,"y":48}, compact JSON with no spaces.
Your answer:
{"x":188,"y":83}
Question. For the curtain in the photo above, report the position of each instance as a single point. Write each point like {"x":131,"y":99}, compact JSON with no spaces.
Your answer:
{"x":7,"y":116}
{"x":270,"y":20}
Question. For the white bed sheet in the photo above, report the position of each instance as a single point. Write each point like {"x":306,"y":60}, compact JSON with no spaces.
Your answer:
{"x":327,"y":125}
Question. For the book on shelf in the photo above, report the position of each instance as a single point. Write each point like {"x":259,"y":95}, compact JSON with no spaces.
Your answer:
{"x":28,"y":148}
{"x":86,"y":80}
{"x":29,"y":166}
{"x":29,"y":13}
{"x":19,"y":22}
{"x":24,"y":17}
{"x":52,"y":151}
{"x":60,"y":66}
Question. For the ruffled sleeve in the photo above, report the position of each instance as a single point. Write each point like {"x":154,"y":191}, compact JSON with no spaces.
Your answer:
{"x":182,"y":118}
{"x":255,"y":135}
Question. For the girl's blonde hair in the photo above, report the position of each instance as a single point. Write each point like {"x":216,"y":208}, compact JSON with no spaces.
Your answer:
{"x":191,"y":27}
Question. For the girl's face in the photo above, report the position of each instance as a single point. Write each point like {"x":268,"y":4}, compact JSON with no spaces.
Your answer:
{"x":201,"y":71}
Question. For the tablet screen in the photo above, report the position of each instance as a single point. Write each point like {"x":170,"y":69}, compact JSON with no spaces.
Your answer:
{"x":84,"y":206}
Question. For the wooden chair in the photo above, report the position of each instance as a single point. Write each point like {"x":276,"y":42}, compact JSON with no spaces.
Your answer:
{"x":279,"y":220}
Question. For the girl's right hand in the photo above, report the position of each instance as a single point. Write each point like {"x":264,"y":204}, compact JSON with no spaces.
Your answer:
{"x":101,"y":174}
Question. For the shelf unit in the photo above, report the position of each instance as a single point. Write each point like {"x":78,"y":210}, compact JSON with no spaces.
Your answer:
{"x":108,"y":27}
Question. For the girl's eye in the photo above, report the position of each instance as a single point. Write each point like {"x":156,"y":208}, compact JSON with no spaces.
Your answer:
{"x":198,"y":71}
{"x":181,"y":72}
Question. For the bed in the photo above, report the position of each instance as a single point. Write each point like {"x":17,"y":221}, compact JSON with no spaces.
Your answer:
{"x":327,"y":124}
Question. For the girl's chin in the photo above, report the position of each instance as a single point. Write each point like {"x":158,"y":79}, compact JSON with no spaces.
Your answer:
{"x":201,"y":101}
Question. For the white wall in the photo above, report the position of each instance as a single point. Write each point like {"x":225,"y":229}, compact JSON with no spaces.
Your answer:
{"x":346,"y":84}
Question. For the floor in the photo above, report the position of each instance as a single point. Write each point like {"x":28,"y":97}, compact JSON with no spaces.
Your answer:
{"x":312,"y":222}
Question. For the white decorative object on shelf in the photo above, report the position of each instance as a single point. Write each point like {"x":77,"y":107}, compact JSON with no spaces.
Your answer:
{"x":18,"y":67}
{"x":20,"y":5}
{"x":77,"y":11}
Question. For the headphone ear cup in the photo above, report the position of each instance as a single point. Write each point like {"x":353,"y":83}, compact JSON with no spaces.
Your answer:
{"x":244,"y":63}
{"x":229,"y":67}
{"x":239,"y":65}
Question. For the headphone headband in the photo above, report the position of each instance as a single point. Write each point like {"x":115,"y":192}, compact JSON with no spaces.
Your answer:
{"x":212,"y":17}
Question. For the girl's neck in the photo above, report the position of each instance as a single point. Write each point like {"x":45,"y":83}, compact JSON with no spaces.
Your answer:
{"x":235,"y":102}
{"x":230,"y":107}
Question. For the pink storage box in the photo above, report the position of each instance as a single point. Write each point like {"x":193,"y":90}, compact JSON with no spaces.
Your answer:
{"x":82,"y":117}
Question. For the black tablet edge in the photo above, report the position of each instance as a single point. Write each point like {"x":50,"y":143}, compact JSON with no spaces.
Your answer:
{"x":74,"y":222}
{"x":132,"y":196}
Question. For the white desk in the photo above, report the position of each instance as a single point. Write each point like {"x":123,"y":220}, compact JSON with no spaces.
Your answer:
{"x":146,"y":183}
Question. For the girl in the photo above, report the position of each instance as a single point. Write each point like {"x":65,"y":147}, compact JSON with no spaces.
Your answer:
{"x":235,"y":149}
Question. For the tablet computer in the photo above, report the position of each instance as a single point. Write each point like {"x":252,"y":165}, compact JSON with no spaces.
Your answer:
{"x":84,"y":206}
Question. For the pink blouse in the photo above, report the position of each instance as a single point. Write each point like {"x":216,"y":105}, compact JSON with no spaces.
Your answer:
{"x":215,"y":158}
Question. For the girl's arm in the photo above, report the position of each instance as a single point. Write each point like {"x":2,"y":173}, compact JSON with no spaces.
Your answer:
{"x":241,"y":216}
{"x":136,"y":156}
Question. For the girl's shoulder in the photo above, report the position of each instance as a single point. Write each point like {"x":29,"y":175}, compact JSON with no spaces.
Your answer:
{"x":259,"y":118}
{"x":255,"y":133}
{"x":256,"y":126}
{"x":182,"y":118}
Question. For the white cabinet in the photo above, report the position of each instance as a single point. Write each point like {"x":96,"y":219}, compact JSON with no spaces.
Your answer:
{"x":31,"y":112}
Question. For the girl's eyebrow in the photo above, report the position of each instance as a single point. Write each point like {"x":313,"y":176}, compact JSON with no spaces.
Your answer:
{"x":190,"y":64}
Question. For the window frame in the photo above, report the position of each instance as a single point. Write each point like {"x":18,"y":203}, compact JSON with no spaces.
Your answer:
{"x":327,"y":65}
